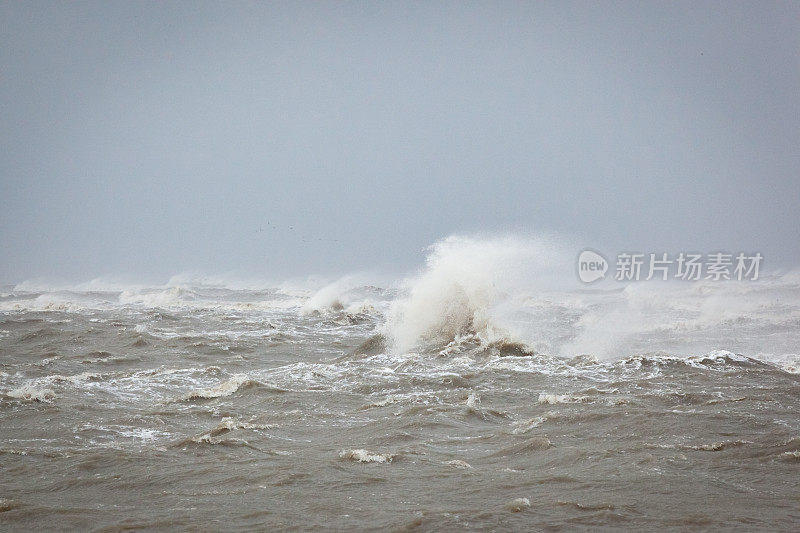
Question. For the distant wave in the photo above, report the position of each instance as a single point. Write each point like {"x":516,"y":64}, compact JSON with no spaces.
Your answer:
{"x":506,"y":295}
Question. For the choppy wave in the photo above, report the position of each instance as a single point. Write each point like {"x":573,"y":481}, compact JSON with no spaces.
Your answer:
{"x":482,"y":387}
{"x":517,"y":504}
{"x":31,"y":393}
{"x":223,"y":389}
{"x":501,"y":295}
{"x":364,"y":456}
{"x":208,"y":394}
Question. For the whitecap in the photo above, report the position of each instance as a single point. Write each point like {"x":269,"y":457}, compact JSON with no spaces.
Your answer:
{"x":364,"y":456}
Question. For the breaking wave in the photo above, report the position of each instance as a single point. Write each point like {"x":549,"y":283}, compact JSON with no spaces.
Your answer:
{"x":33,"y":394}
{"x":488,"y":372}
{"x":468,"y":289}
{"x":225,"y":388}
{"x":364,"y":456}
{"x":501,"y":295}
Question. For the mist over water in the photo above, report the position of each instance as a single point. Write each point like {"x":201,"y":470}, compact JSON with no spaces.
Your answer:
{"x":281,"y":140}
{"x":488,"y":389}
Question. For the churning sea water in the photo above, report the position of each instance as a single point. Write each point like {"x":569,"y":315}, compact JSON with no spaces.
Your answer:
{"x":464,"y":397}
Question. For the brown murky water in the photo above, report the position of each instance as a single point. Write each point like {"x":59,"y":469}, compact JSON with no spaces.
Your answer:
{"x":235,"y":410}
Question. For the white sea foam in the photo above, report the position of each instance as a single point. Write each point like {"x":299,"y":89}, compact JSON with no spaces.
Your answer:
{"x":458,"y":463}
{"x":230,"y":423}
{"x":31,"y":393}
{"x":364,"y":456}
{"x":223,"y":389}
{"x":518,"y":504}
{"x":553,"y":399}
{"x":169,"y":297}
{"x":351,"y":294}
{"x":523,"y":426}
{"x":331,"y":297}
{"x":72,"y":379}
{"x":61,"y":300}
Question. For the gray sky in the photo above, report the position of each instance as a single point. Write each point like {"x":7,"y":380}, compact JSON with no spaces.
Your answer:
{"x":272,"y":139}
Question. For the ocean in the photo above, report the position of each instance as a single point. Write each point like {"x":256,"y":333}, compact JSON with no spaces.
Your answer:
{"x":478,"y":393}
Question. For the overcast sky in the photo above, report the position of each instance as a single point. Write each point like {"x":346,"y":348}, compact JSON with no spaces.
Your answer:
{"x":274,"y":139}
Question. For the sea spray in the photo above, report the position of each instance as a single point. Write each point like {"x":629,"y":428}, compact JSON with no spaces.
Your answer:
{"x":471,"y":287}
